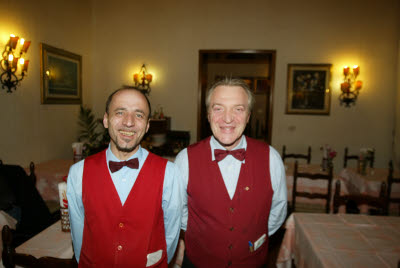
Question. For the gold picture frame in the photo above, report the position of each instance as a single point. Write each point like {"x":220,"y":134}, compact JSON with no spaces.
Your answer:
{"x":308,"y":89}
{"x":60,"y":76}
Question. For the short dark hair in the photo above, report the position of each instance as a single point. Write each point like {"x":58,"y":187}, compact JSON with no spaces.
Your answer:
{"x":231,"y":82}
{"x":109,"y":99}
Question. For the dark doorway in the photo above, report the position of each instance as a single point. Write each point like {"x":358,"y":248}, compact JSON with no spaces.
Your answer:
{"x":257,"y":68}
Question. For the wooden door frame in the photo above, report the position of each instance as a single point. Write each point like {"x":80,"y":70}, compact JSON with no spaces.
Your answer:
{"x":260,"y":56}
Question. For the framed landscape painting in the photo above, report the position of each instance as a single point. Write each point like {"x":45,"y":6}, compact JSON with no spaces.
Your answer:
{"x":60,"y":76}
{"x":308,"y":90}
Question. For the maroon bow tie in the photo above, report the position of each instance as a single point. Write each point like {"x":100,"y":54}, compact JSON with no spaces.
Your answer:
{"x":221,"y":154}
{"x":115,"y":166}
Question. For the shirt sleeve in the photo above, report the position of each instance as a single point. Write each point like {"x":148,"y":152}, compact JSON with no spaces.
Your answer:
{"x":182,"y":163}
{"x":75,"y":206}
{"x":278,"y":211}
{"x":172,"y":207}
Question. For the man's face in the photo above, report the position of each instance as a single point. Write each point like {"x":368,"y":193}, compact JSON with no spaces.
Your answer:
{"x":127,"y":122}
{"x":228,"y":114}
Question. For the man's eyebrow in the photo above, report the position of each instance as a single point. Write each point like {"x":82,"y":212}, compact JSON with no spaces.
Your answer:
{"x":139,"y":111}
{"x":119,"y":109}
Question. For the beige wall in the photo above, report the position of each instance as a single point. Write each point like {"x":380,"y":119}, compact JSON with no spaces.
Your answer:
{"x":31,"y":131}
{"x":167,"y":35}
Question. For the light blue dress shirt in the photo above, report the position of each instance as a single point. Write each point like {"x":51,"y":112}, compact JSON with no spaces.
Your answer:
{"x":230,"y":169}
{"x":123,"y":180}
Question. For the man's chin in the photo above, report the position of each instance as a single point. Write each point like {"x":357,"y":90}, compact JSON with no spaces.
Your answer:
{"x":227,"y":143}
{"x":126,"y":149}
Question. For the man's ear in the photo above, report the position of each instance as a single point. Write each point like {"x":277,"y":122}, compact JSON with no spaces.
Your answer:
{"x":105,"y":120}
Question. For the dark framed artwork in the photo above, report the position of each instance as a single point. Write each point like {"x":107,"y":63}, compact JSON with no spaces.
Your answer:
{"x":308,"y":89}
{"x":60,"y":76}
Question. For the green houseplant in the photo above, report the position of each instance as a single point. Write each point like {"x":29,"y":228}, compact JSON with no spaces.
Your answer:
{"x":92,"y":133}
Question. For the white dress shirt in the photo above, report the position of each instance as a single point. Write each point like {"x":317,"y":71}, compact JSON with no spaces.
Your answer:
{"x":230,"y":169}
{"x":123,"y":180}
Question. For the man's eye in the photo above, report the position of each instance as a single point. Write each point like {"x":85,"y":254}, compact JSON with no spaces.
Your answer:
{"x":119,"y":113}
{"x":139,"y":115}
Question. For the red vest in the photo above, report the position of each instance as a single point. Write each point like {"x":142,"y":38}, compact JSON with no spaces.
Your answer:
{"x":219,"y":229}
{"x":116,"y":235}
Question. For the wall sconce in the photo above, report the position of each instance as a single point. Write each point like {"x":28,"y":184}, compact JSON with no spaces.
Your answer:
{"x":10,"y":61}
{"x":142,"y":80}
{"x":350,"y":87}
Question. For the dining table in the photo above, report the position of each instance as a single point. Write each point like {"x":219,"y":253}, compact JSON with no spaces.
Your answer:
{"x":51,"y":242}
{"x":48,"y":175}
{"x":369,"y":183}
{"x":317,"y":240}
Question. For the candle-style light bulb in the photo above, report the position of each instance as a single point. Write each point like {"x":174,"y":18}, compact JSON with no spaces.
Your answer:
{"x":346,"y":70}
{"x":356,"y":70}
{"x":21,"y":61}
{"x":10,"y":57}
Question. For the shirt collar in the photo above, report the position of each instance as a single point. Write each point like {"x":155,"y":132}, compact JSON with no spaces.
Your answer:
{"x":214,"y":144}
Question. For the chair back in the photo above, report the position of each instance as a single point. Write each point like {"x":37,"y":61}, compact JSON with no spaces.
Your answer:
{"x":312,"y":176}
{"x":11,"y":259}
{"x":378,"y":203}
{"x":390,"y":182}
{"x":347,"y":156}
{"x":297,"y":156}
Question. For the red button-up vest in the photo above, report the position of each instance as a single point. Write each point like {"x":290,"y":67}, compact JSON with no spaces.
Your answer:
{"x":219,"y":229}
{"x":116,"y":235}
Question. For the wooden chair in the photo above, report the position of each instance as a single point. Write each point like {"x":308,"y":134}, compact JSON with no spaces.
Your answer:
{"x":11,"y":258}
{"x":297,"y":156}
{"x":350,"y":200}
{"x":347,"y":157}
{"x":312,"y":176}
{"x":390,"y":182}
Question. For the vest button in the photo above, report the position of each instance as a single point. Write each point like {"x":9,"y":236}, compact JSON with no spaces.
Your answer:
{"x":231,"y":209}
{"x":119,"y":247}
{"x":232,"y":228}
{"x":229,"y":263}
{"x":121,"y":225}
{"x":230,"y":246}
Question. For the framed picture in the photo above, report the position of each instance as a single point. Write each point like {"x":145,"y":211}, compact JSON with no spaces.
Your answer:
{"x":60,"y":76}
{"x":308,"y":89}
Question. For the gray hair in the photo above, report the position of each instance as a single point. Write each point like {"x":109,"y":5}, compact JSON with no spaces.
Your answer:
{"x":231,"y":82}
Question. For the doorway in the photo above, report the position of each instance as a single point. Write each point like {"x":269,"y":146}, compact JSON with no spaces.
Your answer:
{"x":257,"y":68}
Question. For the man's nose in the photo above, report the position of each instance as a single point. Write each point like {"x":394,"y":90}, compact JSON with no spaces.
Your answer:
{"x":228,"y":116}
{"x":129,"y":120}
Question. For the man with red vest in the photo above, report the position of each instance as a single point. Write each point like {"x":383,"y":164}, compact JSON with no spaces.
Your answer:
{"x":235,"y":186}
{"x":124,"y":202}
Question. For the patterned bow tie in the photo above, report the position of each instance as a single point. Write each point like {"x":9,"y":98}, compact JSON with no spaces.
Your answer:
{"x":221,"y":154}
{"x":115,"y":166}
